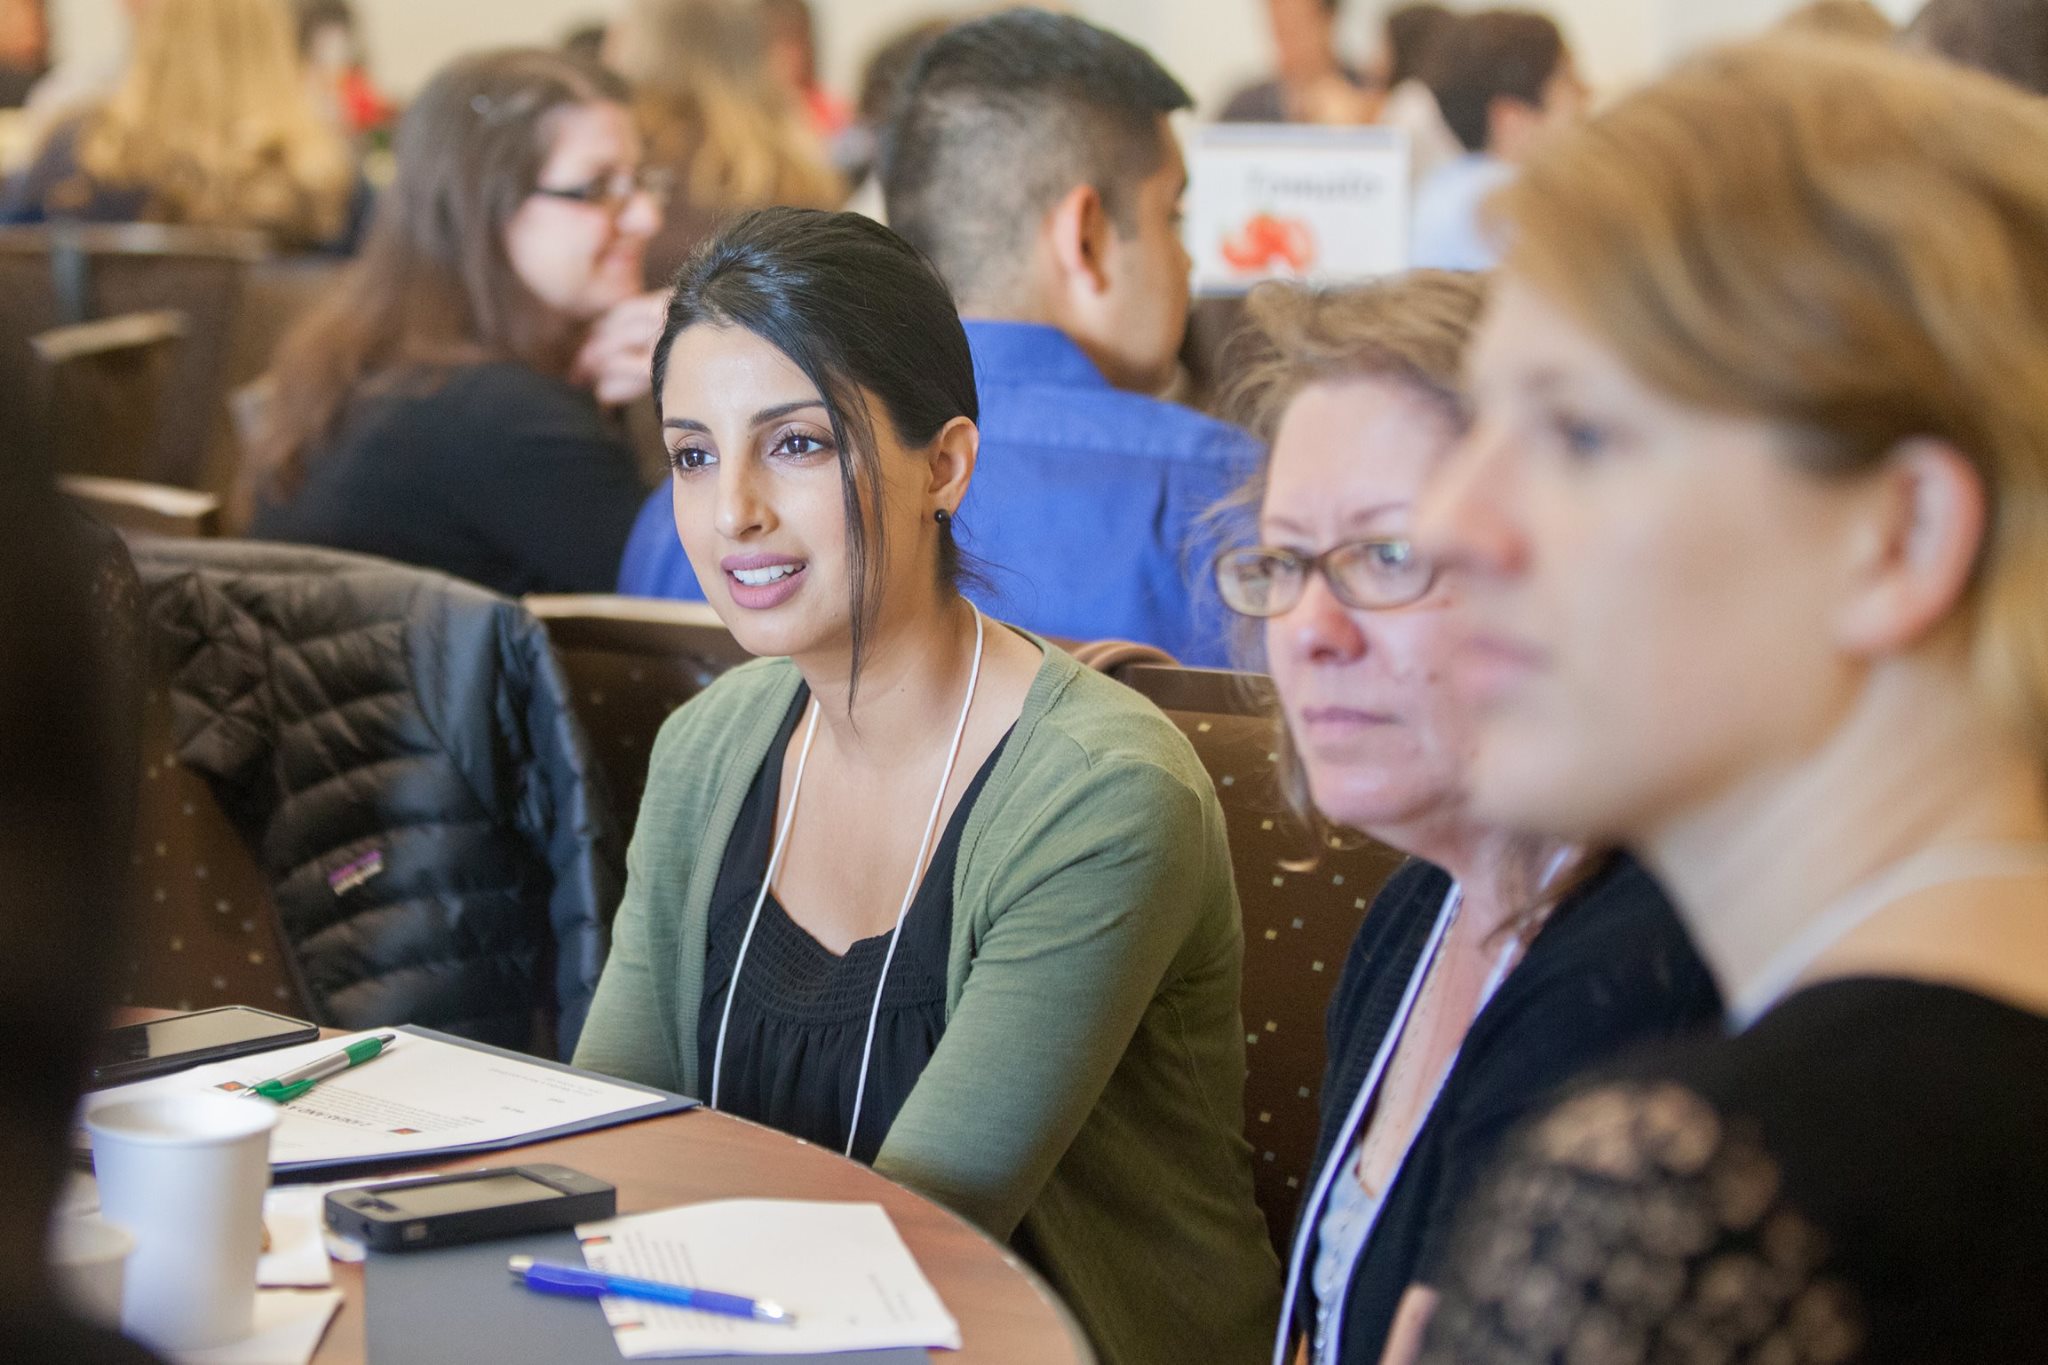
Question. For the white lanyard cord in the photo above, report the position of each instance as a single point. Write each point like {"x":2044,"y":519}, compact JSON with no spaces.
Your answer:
{"x":909,"y":893}
{"x":1339,"y":1152}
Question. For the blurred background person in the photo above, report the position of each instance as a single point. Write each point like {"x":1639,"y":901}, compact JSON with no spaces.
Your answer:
{"x":793,"y":57}
{"x":338,"y":68}
{"x":1406,"y":39}
{"x":586,"y":40}
{"x":1502,"y":78}
{"x":1310,"y":82}
{"x":426,"y":411}
{"x":211,"y":125}
{"x":24,"y":49}
{"x":73,"y":84}
{"x":1751,"y":524}
{"x":718,"y":117}
{"x":2007,"y":38}
{"x":1857,"y":19}
{"x":1491,"y":968}
{"x":857,"y":151}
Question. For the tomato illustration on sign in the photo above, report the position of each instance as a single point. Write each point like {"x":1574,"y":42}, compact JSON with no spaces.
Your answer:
{"x":1267,"y":240}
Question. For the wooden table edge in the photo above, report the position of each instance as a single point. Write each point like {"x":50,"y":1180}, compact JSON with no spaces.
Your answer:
{"x":335,"y":1347}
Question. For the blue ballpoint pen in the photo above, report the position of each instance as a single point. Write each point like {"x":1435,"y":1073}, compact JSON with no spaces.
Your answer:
{"x":591,"y":1284}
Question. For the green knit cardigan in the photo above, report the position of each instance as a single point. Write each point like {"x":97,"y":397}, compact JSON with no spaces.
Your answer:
{"x":1085,"y":1103}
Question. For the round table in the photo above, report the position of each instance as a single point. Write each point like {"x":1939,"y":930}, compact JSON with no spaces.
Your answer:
{"x":1006,"y":1313}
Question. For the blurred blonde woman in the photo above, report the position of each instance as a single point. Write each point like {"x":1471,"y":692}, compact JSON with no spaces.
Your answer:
{"x":1752,"y":524}
{"x":210,"y":126}
{"x":717,"y":116}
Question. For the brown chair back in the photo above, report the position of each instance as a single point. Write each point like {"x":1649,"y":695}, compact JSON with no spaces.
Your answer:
{"x":203,"y":928}
{"x":631,"y":661}
{"x":1300,"y":912}
{"x":65,"y":274}
{"x":102,"y":385}
{"x":150,"y":508}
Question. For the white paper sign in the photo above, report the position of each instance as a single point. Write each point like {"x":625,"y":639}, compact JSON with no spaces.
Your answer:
{"x":1294,"y":202}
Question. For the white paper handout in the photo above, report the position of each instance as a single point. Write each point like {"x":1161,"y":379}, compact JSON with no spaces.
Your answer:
{"x":840,"y":1269}
{"x":421,"y":1095}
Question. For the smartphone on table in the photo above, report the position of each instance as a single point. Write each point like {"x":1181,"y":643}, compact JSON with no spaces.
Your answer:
{"x":469,"y":1206}
{"x":136,"y":1052}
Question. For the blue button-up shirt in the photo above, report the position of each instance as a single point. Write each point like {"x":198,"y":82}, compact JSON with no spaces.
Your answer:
{"x":1086,"y":513}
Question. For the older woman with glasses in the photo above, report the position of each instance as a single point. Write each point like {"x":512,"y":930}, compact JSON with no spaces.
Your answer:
{"x":1492,"y":967}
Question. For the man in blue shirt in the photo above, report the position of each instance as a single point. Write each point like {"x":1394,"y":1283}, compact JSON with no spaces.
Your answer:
{"x":1032,"y":160}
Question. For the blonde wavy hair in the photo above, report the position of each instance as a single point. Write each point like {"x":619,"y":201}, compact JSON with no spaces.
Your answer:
{"x":1412,"y":330}
{"x":214,"y":119}
{"x":709,"y":103}
{"x":1847,"y":242}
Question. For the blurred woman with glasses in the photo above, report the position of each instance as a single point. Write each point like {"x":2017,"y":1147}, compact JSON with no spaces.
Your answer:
{"x":1491,"y":967}
{"x":441,"y":406}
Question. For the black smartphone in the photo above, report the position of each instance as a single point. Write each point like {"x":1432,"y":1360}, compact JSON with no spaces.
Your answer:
{"x":468,"y":1206}
{"x":135,"y":1052}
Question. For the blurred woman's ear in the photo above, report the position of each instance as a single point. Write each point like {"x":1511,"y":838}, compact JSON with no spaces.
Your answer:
{"x":1914,"y":549}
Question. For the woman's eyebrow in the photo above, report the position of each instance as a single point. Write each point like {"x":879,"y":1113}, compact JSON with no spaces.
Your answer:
{"x":759,"y":419}
{"x":1363,"y":516}
{"x":782,"y":410}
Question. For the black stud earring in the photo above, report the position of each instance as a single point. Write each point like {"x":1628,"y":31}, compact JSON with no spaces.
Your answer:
{"x":943,"y":517}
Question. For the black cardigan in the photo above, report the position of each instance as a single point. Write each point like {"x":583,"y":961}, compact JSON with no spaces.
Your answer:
{"x":1612,"y":968}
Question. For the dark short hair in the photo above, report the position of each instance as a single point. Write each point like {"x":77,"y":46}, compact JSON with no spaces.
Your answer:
{"x":1494,"y":54}
{"x":1001,"y":117}
{"x":1411,"y":31}
{"x":859,"y":311}
{"x":2007,"y":38}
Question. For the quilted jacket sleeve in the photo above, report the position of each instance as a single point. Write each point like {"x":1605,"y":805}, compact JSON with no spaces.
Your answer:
{"x":564,"y":814}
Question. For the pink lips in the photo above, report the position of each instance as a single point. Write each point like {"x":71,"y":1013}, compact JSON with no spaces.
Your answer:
{"x":1341,"y":717}
{"x":762,"y":596}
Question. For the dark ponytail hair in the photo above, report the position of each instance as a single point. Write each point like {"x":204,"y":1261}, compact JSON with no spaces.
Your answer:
{"x":859,"y":311}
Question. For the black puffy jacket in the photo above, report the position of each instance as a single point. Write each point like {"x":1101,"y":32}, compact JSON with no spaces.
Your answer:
{"x":398,"y":748}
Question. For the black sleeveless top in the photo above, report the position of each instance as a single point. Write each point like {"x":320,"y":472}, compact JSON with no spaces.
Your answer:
{"x":800,"y":1019}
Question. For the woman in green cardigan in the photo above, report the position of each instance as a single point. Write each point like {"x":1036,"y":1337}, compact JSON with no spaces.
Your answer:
{"x":919,"y":886}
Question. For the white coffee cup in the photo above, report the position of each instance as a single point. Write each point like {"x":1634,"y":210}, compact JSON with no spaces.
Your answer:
{"x":185,"y":1174}
{"x":88,"y":1256}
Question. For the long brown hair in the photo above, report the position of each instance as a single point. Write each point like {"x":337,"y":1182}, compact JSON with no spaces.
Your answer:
{"x":213,"y":119}
{"x":434,"y":287}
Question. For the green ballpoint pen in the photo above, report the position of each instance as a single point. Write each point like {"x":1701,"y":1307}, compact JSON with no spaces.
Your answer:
{"x":296,"y":1082}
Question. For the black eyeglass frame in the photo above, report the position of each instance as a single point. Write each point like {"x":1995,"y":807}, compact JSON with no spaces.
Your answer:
{"x":1304,"y":566}
{"x":603,"y":191}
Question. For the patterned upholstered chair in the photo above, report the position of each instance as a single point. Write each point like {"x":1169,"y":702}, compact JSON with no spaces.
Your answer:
{"x":1300,"y":914}
{"x":631,"y":661}
{"x":204,"y":928}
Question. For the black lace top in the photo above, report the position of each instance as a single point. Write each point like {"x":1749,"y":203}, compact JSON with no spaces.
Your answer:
{"x":1862,"y":1176}
{"x":800,"y":1021}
